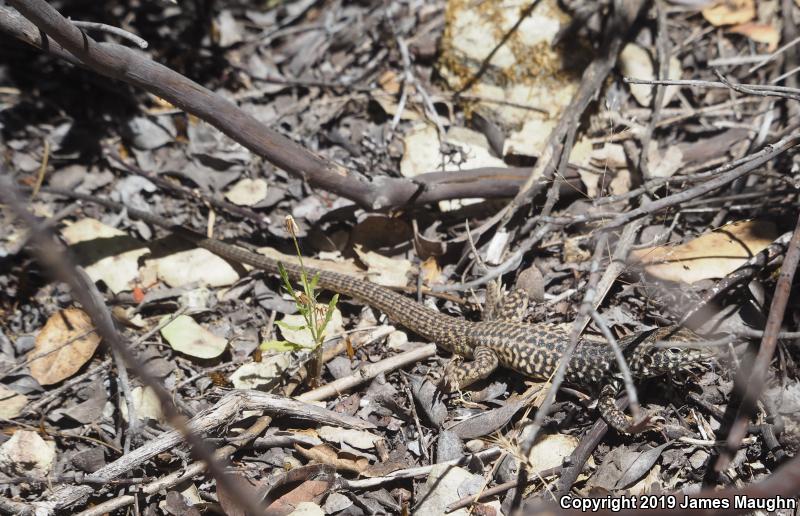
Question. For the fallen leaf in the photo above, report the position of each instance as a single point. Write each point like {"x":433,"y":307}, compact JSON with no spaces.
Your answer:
{"x":195,"y":266}
{"x":277,"y":345}
{"x":389,"y":82}
{"x":635,"y":62}
{"x":293,"y":328}
{"x":110,"y":255}
{"x":145,"y":404}
{"x":760,"y":33}
{"x":341,"y":460}
{"x":443,"y":487}
{"x":487,"y":421}
{"x":186,"y":336}
{"x":66,"y":342}
{"x":550,"y":450}
{"x":307,"y":509}
{"x":389,"y":272}
{"x":531,"y":139}
{"x":26,"y":453}
{"x":11,"y":403}
{"x":355,"y":438}
{"x":730,"y":12}
{"x":709,"y":256}
{"x":229,"y":501}
{"x":247,"y":192}
{"x":610,"y":155}
{"x":664,"y":165}
{"x":431,"y":272}
{"x":422,"y":154}
{"x":640,"y":464}
{"x":254,"y":375}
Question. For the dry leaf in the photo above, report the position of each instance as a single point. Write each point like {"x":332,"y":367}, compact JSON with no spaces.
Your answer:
{"x":355,"y":438}
{"x":760,"y":33}
{"x":730,"y":12}
{"x":712,"y":255}
{"x":664,"y":165}
{"x":389,"y":272}
{"x":445,"y":485}
{"x":531,"y":139}
{"x":253,"y":375}
{"x":66,"y":342}
{"x":145,"y":404}
{"x":342,"y":461}
{"x":11,"y":403}
{"x":189,"y":338}
{"x":635,"y":62}
{"x":422,"y":154}
{"x":112,"y":256}
{"x":26,"y":453}
{"x":550,"y":451}
{"x":195,"y":266}
{"x":308,"y":509}
{"x":389,"y":82}
{"x":431,"y":272}
{"x":247,"y":192}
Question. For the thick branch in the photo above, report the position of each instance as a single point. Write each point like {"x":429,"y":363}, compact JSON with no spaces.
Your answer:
{"x":118,"y":62}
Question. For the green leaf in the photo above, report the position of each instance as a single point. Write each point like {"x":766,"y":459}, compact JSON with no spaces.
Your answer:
{"x":314,"y":281}
{"x":331,"y":308}
{"x":278,"y":345}
{"x":291,"y":327}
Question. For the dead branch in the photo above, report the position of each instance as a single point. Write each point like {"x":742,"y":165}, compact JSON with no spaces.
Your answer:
{"x":66,"y":41}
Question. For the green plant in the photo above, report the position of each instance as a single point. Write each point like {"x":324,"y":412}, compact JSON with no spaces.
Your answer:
{"x":316,"y":315}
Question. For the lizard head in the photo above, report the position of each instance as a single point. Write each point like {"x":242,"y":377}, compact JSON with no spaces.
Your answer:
{"x":665,"y":352}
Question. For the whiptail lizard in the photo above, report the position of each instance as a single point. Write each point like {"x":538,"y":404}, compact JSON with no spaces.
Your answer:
{"x":530,"y":349}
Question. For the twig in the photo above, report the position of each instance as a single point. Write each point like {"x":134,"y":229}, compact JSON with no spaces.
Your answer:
{"x":495,"y":490}
{"x":760,"y":90}
{"x":189,"y":193}
{"x":592,"y":299}
{"x":743,"y":273}
{"x":222,"y":413}
{"x":102,"y":27}
{"x":51,"y":255}
{"x":368,"y":372}
{"x":367,"y":483}
{"x":757,"y":159}
{"x":593,"y":77}
{"x":753,"y":385}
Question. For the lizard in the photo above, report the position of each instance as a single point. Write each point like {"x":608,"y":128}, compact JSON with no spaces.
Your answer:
{"x":531,"y":349}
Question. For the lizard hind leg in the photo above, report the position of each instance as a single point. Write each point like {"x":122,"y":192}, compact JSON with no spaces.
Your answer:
{"x":458,"y":375}
{"x":512,"y":306}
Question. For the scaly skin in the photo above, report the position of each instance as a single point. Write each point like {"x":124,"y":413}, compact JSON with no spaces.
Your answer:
{"x":530,"y":349}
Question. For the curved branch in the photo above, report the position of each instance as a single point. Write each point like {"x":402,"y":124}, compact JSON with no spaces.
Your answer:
{"x":47,"y":30}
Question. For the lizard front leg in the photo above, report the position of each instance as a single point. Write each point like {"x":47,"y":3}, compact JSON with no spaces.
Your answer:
{"x":616,"y":418}
{"x":458,"y":375}
{"x":511,"y":307}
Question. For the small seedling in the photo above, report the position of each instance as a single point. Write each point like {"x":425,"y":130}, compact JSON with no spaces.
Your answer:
{"x":316,"y":315}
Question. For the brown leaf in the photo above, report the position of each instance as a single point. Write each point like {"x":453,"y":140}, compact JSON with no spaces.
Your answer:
{"x":308,"y":491}
{"x":760,"y":33}
{"x":229,"y":503}
{"x":712,"y":255}
{"x":338,"y":459}
{"x":65,"y":343}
